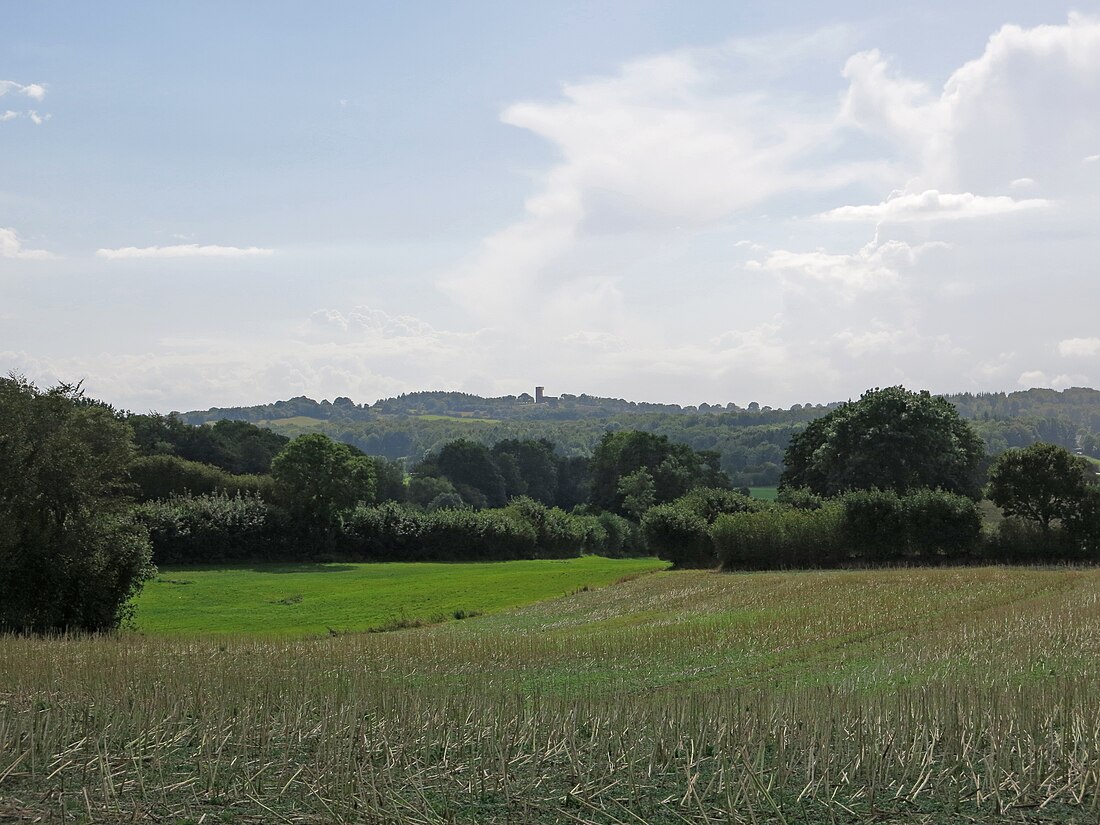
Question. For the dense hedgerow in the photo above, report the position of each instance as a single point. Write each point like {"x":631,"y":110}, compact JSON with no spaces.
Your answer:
{"x":779,"y":536}
{"x":680,"y":531}
{"x":163,"y":476}
{"x":210,"y":528}
{"x":863,"y":526}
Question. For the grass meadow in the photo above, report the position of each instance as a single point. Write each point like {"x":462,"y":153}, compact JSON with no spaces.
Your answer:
{"x":905,"y":695}
{"x":304,"y":599}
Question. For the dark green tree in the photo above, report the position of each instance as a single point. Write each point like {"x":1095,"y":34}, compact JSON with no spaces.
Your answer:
{"x":674,"y":468}
{"x":891,"y":439}
{"x":469,"y":464}
{"x":1040,"y":483}
{"x":71,"y":551}
{"x":319,"y":479}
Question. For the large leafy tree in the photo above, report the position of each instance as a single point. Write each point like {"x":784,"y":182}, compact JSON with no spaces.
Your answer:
{"x":71,"y":552}
{"x":674,"y":468}
{"x":1041,"y":483}
{"x":318,"y":479}
{"x":468,"y":464}
{"x":891,"y":439}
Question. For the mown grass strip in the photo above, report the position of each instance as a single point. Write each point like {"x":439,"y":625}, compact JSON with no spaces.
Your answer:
{"x":305,"y":599}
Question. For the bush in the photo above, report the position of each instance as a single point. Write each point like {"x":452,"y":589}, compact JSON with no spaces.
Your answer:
{"x":1024,"y":541}
{"x":558,"y":535}
{"x":873,"y":525}
{"x":941,"y":524}
{"x":210,"y":529}
{"x":711,"y":502}
{"x":474,"y":535}
{"x":622,"y":534}
{"x":163,"y":476}
{"x":800,"y":498}
{"x":779,"y":536}
{"x":388,"y":532}
{"x":677,"y":534}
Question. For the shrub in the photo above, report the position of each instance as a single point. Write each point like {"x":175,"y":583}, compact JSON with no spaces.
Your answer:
{"x":163,"y":476}
{"x":557,"y":534}
{"x":212,"y":528}
{"x":472,"y":535}
{"x":677,"y":534}
{"x":800,"y":498}
{"x":388,"y":532}
{"x":711,"y":502}
{"x":938,"y":523}
{"x":622,"y":534}
{"x":873,"y":525}
{"x":1024,"y":541}
{"x":779,"y":536}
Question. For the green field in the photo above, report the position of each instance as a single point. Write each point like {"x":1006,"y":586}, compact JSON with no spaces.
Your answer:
{"x":318,"y":598}
{"x":906,"y":695}
{"x":764,"y":493}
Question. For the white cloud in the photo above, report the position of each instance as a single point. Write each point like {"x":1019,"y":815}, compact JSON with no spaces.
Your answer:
{"x":1022,"y":183}
{"x":190,"y":250}
{"x":12,"y":247}
{"x":1079,"y":347}
{"x":35,"y":91}
{"x":931,"y":205}
{"x":1026,"y":105}
{"x":876,"y":266}
{"x":674,"y":140}
{"x":1038,"y":378}
{"x":1092,"y":159}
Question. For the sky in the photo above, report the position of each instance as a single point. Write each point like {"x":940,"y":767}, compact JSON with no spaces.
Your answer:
{"x":217,"y":204}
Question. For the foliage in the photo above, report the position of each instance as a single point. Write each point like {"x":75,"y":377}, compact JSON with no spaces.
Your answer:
{"x":1042,"y":482}
{"x":779,"y":537}
{"x":675,"y":533}
{"x":236,"y":447}
{"x":317,"y":479}
{"x":638,"y":493}
{"x":207,"y":529}
{"x":674,"y":468}
{"x":71,"y":553}
{"x":469,"y":464}
{"x":891,"y":439}
{"x":162,"y":476}
{"x":941,"y":524}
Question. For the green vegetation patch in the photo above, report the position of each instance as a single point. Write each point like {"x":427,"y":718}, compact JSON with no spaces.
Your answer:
{"x":303,"y":599}
{"x":764,"y":493}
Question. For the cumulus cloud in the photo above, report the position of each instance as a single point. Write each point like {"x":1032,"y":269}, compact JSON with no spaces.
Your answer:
{"x":190,"y":250}
{"x":997,"y":118}
{"x":1079,"y":347}
{"x":12,"y":247}
{"x":874,"y":267}
{"x":671,"y":142}
{"x":931,"y":205}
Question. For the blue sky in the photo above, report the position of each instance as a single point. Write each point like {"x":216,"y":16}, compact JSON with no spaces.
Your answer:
{"x":213,"y":204}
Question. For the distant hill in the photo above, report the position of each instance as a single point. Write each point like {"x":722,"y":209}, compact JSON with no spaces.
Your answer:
{"x":751,"y":440}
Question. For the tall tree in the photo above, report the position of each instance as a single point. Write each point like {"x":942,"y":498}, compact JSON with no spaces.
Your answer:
{"x":1042,"y":483}
{"x":318,"y":479}
{"x":71,"y":552}
{"x":891,"y":439}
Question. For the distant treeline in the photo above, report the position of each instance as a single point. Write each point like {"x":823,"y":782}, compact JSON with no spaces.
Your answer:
{"x":751,"y":441}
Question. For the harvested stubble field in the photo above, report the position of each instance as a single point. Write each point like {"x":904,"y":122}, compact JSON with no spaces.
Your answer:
{"x":947,"y":695}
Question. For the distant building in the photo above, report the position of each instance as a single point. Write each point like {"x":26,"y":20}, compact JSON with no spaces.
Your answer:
{"x":542,"y":398}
